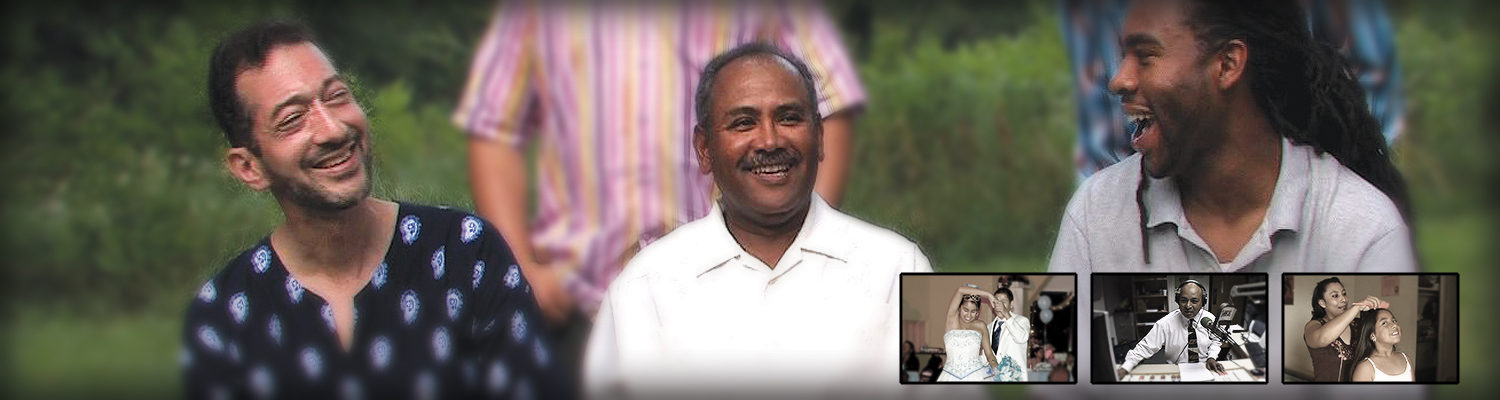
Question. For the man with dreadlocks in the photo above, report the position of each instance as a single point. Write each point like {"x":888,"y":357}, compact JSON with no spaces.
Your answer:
{"x":1256,"y":152}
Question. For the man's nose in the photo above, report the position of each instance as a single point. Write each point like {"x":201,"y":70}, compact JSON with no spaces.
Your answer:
{"x":327,"y":129}
{"x":1124,"y":81}
{"x":770,"y":136}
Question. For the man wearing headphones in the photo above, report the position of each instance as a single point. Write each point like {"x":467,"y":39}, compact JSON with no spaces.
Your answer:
{"x":1180,"y":334}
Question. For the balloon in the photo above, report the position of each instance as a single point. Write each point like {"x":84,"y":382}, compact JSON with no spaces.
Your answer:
{"x":1044,"y":302}
{"x":1045,"y":315}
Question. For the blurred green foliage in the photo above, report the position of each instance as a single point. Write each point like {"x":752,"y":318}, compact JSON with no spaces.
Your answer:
{"x":116,"y":204}
{"x":966,"y":147}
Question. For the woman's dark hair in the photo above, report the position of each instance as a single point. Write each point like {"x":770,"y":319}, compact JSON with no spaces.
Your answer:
{"x":969,"y":298}
{"x":911,"y":363}
{"x":1305,"y":88}
{"x":1318,"y":311}
{"x":934,"y":364}
{"x":1364,"y":325}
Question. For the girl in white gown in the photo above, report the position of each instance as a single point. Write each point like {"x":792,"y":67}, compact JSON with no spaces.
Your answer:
{"x":969,"y":355}
{"x":1377,"y":333}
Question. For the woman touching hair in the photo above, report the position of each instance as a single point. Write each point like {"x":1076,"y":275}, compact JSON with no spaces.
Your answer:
{"x":1328,"y":333}
{"x":970,"y":357}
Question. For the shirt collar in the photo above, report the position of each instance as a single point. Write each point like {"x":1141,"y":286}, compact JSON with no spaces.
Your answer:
{"x":819,"y":234}
{"x":1164,"y":204}
{"x":1291,"y":188}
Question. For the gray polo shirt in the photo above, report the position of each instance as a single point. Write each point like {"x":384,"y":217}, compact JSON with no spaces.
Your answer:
{"x":1322,"y":218}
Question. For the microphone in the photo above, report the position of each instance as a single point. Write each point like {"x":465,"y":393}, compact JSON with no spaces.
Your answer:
{"x":1208,"y":325}
{"x":1234,"y":348}
{"x":1226,"y":313}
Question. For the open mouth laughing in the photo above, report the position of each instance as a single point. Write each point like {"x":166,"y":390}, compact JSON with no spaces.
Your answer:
{"x":1139,"y":126}
{"x":338,"y":162}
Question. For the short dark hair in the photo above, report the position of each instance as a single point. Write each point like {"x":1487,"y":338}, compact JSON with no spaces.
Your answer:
{"x":241,"y":50}
{"x":702,"y":98}
{"x":1008,"y":295}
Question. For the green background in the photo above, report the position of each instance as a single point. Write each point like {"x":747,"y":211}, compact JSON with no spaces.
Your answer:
{"x":116,"y":205}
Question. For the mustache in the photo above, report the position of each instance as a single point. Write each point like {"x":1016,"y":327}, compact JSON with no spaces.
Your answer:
{"x":779,"y":156}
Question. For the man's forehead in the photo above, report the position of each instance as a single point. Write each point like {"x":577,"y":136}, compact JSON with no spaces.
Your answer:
{"x":756,"y":69}
{"x":760,"y":63}
{"x":1154,"y":19}
{"x":288,"y":70}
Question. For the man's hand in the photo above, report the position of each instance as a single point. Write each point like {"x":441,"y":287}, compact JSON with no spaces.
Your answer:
{"x":1213,"y":365}
{"x":546,"y":286}
{"x":1120,"y":373}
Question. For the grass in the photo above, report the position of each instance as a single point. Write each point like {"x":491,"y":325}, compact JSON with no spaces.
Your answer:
{"x":66,"y":355}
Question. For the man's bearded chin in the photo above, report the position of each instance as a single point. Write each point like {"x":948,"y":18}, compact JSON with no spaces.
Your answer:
{"x":313,"y":198}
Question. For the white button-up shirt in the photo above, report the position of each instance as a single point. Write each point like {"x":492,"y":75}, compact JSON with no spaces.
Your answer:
{"x":694,"y":314}
{"x":1169,"y":336}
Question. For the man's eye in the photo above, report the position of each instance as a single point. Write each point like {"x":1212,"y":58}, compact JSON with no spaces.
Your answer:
{"x":289,"y":122}
{"x":741,"y":124}
{"x":338,"y":96}
{"x":1144,"y":57}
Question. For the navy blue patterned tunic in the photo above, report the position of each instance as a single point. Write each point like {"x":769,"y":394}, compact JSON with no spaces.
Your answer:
{"x":447,"y":314}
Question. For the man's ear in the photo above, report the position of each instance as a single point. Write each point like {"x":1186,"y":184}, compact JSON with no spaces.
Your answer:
{"x":246,"y":167}
{"x":819,"y":137}
{"x":1230,"y":63}
{"x":700,"y":145}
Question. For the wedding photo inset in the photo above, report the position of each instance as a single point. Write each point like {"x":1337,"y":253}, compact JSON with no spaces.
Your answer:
{"x":988,"y":328}
{"x":1198,"y":328}
{"x":1381,"y":328}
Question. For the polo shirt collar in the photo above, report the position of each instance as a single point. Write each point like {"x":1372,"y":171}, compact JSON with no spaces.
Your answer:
{"x":819,"y":234}
{"x":1292,"y":185}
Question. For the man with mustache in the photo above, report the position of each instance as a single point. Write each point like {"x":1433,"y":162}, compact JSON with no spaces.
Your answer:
{"x":351,"y":296}
{"x":774,"y":292}
{"x":1256,"y":153}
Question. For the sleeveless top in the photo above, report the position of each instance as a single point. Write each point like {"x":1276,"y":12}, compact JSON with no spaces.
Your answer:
{"x":1328,"y":361}
{"x":965,"y":360}
{"x":1381,"y":376}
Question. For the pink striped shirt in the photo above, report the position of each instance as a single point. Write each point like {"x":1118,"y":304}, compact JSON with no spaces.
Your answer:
{"x":605,"y":92}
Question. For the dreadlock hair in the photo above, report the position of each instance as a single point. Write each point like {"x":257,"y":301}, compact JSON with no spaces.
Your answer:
{"x":1306,"y":88}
